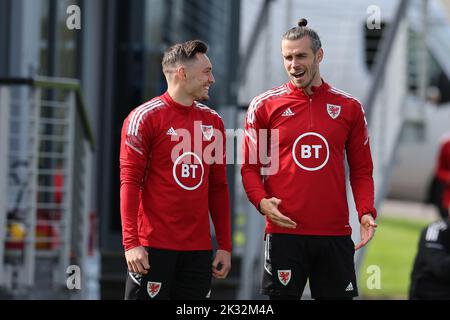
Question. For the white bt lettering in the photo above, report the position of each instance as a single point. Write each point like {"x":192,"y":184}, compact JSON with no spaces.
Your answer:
{"x":306,"y":151}
{"x":186,"y":170}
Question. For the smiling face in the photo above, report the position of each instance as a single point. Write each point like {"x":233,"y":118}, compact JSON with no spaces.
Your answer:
{"x":199,"y":77}
{"x":301,"y":63}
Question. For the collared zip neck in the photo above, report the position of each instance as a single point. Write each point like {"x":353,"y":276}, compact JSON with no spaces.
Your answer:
{"x":315,"y":90}
{"x":166,"y":96}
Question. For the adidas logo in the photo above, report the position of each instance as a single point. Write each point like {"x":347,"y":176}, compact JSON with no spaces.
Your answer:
{"x":171,"y":132}
{"x":349,"y":287}
{"x":288,"y":113}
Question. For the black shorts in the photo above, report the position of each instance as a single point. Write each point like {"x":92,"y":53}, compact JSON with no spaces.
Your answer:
{"x":178,"y":275}
{"x":327,"y":261}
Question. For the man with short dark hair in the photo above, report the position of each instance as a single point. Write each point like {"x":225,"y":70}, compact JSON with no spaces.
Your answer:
{"x":310,"y":127}
{"x":173,"y":178}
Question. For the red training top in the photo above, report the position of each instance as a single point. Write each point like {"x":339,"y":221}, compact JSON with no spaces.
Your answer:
{"x":307,"y":169}
{"x":169,"y":184}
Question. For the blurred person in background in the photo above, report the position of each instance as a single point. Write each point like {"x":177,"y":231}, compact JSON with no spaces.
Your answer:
{"x":166,"y":203}
{"x":430,"y":277}
{"x":442,"y":175}
{"x":308,"y":233}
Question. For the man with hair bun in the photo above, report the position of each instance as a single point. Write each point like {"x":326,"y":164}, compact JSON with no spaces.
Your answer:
{"x":167,"y":193}
{"x":308,"y":234}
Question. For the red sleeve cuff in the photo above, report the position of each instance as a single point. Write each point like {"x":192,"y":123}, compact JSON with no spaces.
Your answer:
{"x":131,"y":245}
{"x":226,"y":248}
{"x":365,"y":211}
{"x":258,"y":199}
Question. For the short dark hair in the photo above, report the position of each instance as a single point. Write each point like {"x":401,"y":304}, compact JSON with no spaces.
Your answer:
{"x":182,"y":52}
{"x":303,"y":31}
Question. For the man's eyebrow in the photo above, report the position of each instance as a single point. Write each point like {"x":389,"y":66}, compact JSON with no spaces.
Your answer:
{"x":300,"y":54}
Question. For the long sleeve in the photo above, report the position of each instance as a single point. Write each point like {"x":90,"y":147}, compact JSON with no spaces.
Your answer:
{"x":134,"y":152}
{"x":361,"y":166}
{"x":251,"y":166}
{"x":219,"y":196}
{"x":443,"y":169}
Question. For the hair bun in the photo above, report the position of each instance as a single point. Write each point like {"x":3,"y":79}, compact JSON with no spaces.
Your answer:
{"x":302,"y":22}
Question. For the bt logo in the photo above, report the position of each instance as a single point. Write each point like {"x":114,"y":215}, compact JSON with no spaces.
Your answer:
{"x":310,"y":151}
{"x":188,"y":171}
{"x":306,"y":151}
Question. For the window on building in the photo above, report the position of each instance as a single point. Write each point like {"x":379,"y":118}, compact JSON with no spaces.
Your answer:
{"x":438,"y":89}
{"x":438,"y":84}
{"x":372,"y":40}
{"x":59,"y":46}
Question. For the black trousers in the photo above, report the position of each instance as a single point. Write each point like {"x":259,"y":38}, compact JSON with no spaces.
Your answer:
{"x":177,"y":275}
{"x":326,"y":261}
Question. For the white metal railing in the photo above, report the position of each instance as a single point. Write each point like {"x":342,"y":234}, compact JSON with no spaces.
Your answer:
{"x":47,"y":215}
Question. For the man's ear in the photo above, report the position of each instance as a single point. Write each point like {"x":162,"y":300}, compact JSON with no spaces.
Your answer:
{"x":181,"y":73}
{"x":319,"y":55}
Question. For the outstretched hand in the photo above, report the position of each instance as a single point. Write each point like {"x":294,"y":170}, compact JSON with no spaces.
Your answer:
{"x":367,"y":230}
{"x":269,"y":207}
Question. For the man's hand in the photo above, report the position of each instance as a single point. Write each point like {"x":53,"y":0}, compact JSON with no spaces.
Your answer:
{"x":137,"y":260}
{"x":269,"y":207}
{"x":367,"y":230}
{"x":222,"y":258}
